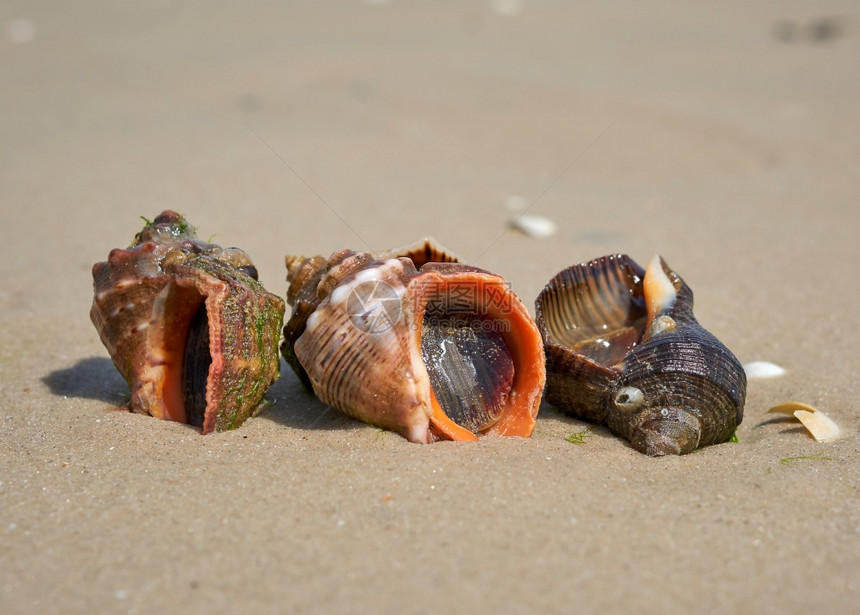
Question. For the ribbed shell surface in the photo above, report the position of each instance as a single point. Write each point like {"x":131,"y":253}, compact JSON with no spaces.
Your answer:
{"x":377,"y":373}
{"x":374,"y":375}
{"x":600,"y":341}
{"x":687,"y":368}
{"x":599,"y":299}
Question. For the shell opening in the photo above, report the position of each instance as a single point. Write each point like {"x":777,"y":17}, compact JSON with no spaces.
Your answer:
{"x":195,"y":370}
{"x":496,"y":338}
{"x":470,"y":367}
{"x":185,"y":358}
{"x":597,"y":309}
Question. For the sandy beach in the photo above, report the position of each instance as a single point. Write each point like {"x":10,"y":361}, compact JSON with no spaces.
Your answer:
{"x":724,"y":137}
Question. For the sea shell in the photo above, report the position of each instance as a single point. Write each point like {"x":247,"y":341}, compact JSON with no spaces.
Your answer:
{"x":305,"y":293}
{"x":762,"y":369}
{"x":818,"y":424}
{"x":188,"y":326}
{"x":624,"y":349}
{"x":538,"y":227}
{"x":446,"y":351}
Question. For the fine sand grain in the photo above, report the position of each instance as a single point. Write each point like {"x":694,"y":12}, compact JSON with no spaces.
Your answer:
{"x":724,"y":136}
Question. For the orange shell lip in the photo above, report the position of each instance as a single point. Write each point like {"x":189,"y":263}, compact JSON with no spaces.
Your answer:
{"x":490,"y":296}
{"x":443,"y":428}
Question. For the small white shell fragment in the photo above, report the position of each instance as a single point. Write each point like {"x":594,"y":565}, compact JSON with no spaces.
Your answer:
{"x":535,"y":226}
{"x":790,"y":407}
{"x":763,"y":369}
{"x":821,"y":426}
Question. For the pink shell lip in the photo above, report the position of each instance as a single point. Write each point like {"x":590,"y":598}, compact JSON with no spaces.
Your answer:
{"x":146,"y":298}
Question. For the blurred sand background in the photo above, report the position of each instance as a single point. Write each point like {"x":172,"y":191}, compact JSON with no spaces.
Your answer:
{"x":725,"y":136}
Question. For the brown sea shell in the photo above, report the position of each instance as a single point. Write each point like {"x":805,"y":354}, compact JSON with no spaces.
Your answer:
{"x":305,"y":293}
{"x":446,"y":351}
{"x":188,"y":326}
{"x":624,"y":349}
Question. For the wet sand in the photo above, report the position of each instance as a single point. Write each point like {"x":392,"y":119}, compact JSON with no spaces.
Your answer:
{"x":725,"y":138}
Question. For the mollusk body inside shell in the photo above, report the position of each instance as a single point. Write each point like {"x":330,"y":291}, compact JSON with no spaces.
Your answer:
{"x":624,"y":349}
{"x":188,"y":326}
{"x":446,"y":351}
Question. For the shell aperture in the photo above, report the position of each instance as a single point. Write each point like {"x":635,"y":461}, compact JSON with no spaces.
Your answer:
{"x":196,"y":363}
{"x":470,"y":367}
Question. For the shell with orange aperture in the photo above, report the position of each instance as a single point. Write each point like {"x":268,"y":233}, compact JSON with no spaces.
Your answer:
{"x":362,"y":345}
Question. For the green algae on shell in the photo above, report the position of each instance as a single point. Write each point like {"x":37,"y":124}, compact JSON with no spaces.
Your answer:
{"x":188,"y":325}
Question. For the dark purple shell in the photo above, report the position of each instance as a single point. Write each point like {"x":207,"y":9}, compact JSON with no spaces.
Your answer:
{"x":624,"y":349}
{"x":188,"y":326}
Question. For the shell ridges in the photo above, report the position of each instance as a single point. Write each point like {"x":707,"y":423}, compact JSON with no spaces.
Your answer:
{"x":608,"y":327}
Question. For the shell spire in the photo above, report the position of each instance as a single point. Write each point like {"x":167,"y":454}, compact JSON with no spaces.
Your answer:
{"x":311,"y":280}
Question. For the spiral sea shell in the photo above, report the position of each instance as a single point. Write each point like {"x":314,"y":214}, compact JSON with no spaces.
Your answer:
{"x":305,"y":291}
{"x":624,"y":349}
{"x":412,"y":341}
{"x":188,"y":326}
